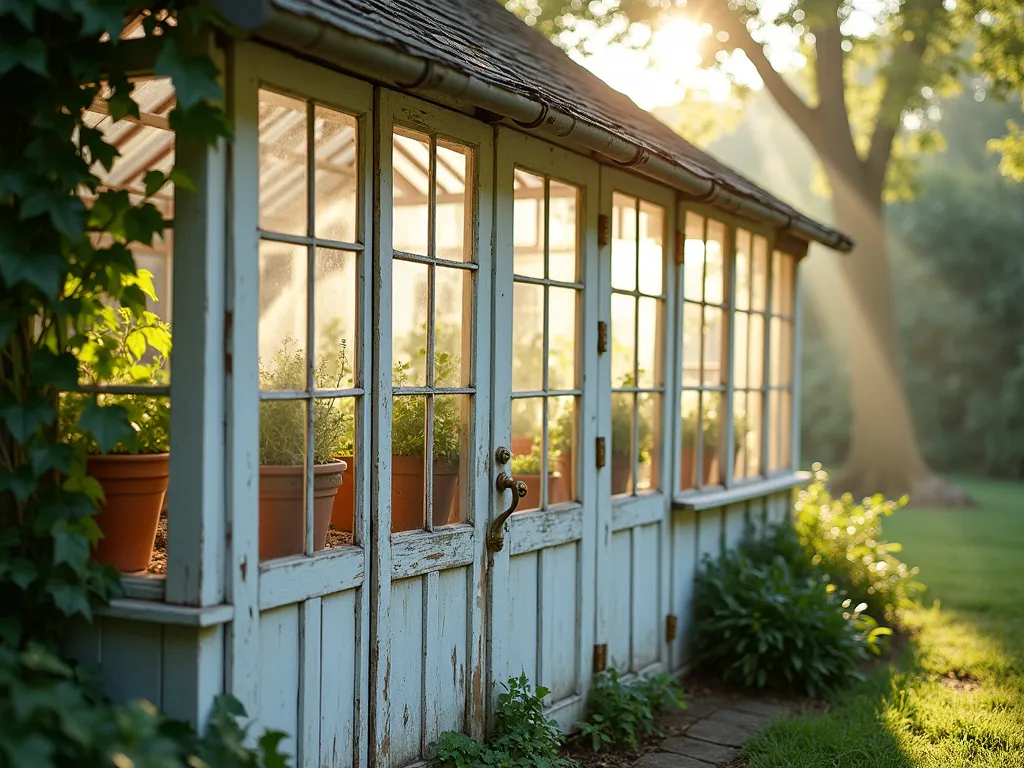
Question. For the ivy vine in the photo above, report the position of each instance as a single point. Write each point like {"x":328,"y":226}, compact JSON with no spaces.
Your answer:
{"x":62,"y":265}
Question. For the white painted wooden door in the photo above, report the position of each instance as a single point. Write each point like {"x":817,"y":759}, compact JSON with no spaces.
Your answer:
{"x":541,"y":582}
{"x":634,"y":411}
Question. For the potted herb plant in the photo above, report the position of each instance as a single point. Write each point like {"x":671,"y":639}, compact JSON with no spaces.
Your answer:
{"x":528,"y":468}
{"x":709,"y":429}
{"x":282,"y":454}
{"x":623,"y":453}
{"x":408,"y":438}
{"x":124,"y":349}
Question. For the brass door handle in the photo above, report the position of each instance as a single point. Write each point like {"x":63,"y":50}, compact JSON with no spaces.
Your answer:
{"x":496,"y":534}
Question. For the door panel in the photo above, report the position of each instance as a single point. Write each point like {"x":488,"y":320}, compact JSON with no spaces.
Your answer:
{"x":545,"y":317}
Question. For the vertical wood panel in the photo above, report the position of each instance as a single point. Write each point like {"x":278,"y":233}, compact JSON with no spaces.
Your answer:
{"x":131,"y":661}
{"x":618,"y":600}
{"x":83,"y":642}
{"x":193,"y":671}
{"x":338,"y":667}
{"x":523,"y":624}
{"x":648,"y":628}
{"x":279,"y":673}
{"x":406,"y":679}
{"x":446,"y":672}
{"x":709,"y":535}
{"x":735,"y":522}
{"x":684,"y":570}
{"x":311,"y":635}
{"x":560,"y":613}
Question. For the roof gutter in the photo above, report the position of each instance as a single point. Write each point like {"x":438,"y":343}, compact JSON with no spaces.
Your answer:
{"x":378,"y":60}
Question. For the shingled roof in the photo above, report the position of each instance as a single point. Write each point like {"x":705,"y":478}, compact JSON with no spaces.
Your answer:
{"x":487,"y":44}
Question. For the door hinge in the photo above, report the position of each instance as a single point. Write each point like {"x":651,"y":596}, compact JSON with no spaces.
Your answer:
{"x":601,"y":458}
{"x":600,"y":657}
{"x":671,"y":627}
{"x":602,"y":230}
{"x":602,"y":337}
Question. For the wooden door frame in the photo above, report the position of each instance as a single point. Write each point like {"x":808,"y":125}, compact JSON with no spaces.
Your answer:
{"x":532,"y":530}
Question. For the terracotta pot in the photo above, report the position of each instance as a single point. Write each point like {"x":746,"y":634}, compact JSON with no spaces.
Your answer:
{"x":556,"y":491}
{"x":343,"y":512}
{"x":688,"y":463}
{"x":521,"y":445}
{"x":134,"y":487}
{"x":622,"y":471}
{"x":407,"y":487}
{"x":565,"y":469}
{"x":282,"y":511}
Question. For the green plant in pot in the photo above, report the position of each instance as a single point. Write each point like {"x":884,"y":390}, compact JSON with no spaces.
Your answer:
{"x":710,"y":430}
{"x":124,"y":349}
{"x":528,"y":468}
{"x":622,"y":438}
{"x":282,"y":452}
{"x":408,"y":439}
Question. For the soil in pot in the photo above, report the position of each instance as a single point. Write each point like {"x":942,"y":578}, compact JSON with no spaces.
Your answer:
{"x":134,"y":487}
{"x":407,"y":486}
{"x":282,"y":511}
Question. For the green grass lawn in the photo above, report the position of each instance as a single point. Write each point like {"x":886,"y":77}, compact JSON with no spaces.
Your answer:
{"x":955,"y":697}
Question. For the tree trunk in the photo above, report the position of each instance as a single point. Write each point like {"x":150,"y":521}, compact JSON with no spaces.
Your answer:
{"x":884,"y":456}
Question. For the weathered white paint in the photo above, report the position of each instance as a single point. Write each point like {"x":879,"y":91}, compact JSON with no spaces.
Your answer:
{"x":279,"y":667}
{"x":684,"y":570}
{"x":735,"y":516}
{"x":339,"y":672}
{"x":709,"y":535}
{"x":301,"y":578}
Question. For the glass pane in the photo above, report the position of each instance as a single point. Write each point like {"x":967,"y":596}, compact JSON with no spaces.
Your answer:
{"x":451,"y":447}
{"x":561,"y":338}
{"x":623,"y":454}
{"x":408,"y":439}
{"x":777,"y":282}
{"x":409,"y":324}
{"x":689,"y":408}
{"x":527,"y":460}
{"x":774,"y":428}
{"x":742,"y":269}
{"x":453,"y":228}
{"x":777,"y":352}
{"x":759,"y":275}
{"x":693,"y":333}
{"x":343,"y":512}
{"x":739,"y":350}
{"x":528,"y":225}
{"x":333,"y":430}
{"x":693,"y":258}
{"x":411,"y":196}
{"x":756,"y":349}
{"x":714,"y":274}
{"x":715,"y":335}
{"x":649,"y":452}
{"x":282,"y":454}
{"x":337,"y":177}
{"x":739,"y":416}
{"x":283,"y":163}
{"x":714,"y":447}
{"x":623,"y":332}
{"x":785,"y":429}
{"x":652,"y":236}
{"x":563,"y":231}
{"x":786,"y":353}
{"x":751,"y":430}
{"x":452,"y":326}
{"x":648,"y":343}
{"x":624,"y":231}
{"x":334,"y":307}
{"x":527,"y":338}
{"x":787,"y":285}
{"x":282,"y":329}
{"x":561,"y":439}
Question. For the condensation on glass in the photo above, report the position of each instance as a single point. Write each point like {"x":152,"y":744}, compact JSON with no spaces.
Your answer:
{"x":547,"y":300}
{"x":434,"y":270}
{"x":310,"y":255}
{"x":705,"y":288}
{"x":637,"y":337}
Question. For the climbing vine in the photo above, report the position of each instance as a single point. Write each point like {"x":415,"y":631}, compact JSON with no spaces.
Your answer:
{"x":63,"y":265}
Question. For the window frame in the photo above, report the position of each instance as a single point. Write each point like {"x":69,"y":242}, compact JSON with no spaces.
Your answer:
{"x":732,"y":489}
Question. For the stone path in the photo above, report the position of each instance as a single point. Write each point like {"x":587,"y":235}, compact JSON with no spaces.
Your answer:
{"x":711,"y":730}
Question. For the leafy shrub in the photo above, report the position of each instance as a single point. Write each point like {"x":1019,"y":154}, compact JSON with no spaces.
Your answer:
{"x":844,"y":540}
{"x":622,"y":714}
{"x":409,"y":412}
{"x":764,"y":625}
{"x":522,"y":736}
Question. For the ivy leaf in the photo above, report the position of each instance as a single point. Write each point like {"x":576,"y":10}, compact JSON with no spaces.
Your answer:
{"x":73,"y":506}
{"x":23,"y":419}
{"x":21,"y":483}
{"x":33,"y":749}
{"x":58,"y":371}
{"x":108,"y":425}
{"x":29,"y":53}
{"x":180,"y":178}
{"x":100,"y":151}
{"x":22,"y":572}
{"x":194,"y":76}
{"x":43,"y":270}
{"x":23,"y":10}
{"x":8,"y":321}
{"x":270,"y":749}
{"x":69,"y":546}
{"x":154,"y":181}
{"x":71,"y":599}
{"x":47,"y":456}
{"x":65,"y":211}
{"x":133,"y":298}
{"x":204,"y":122}
{"x":142,"y":223}
{"x":136,"y":343}
{"x":100,"y":17}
